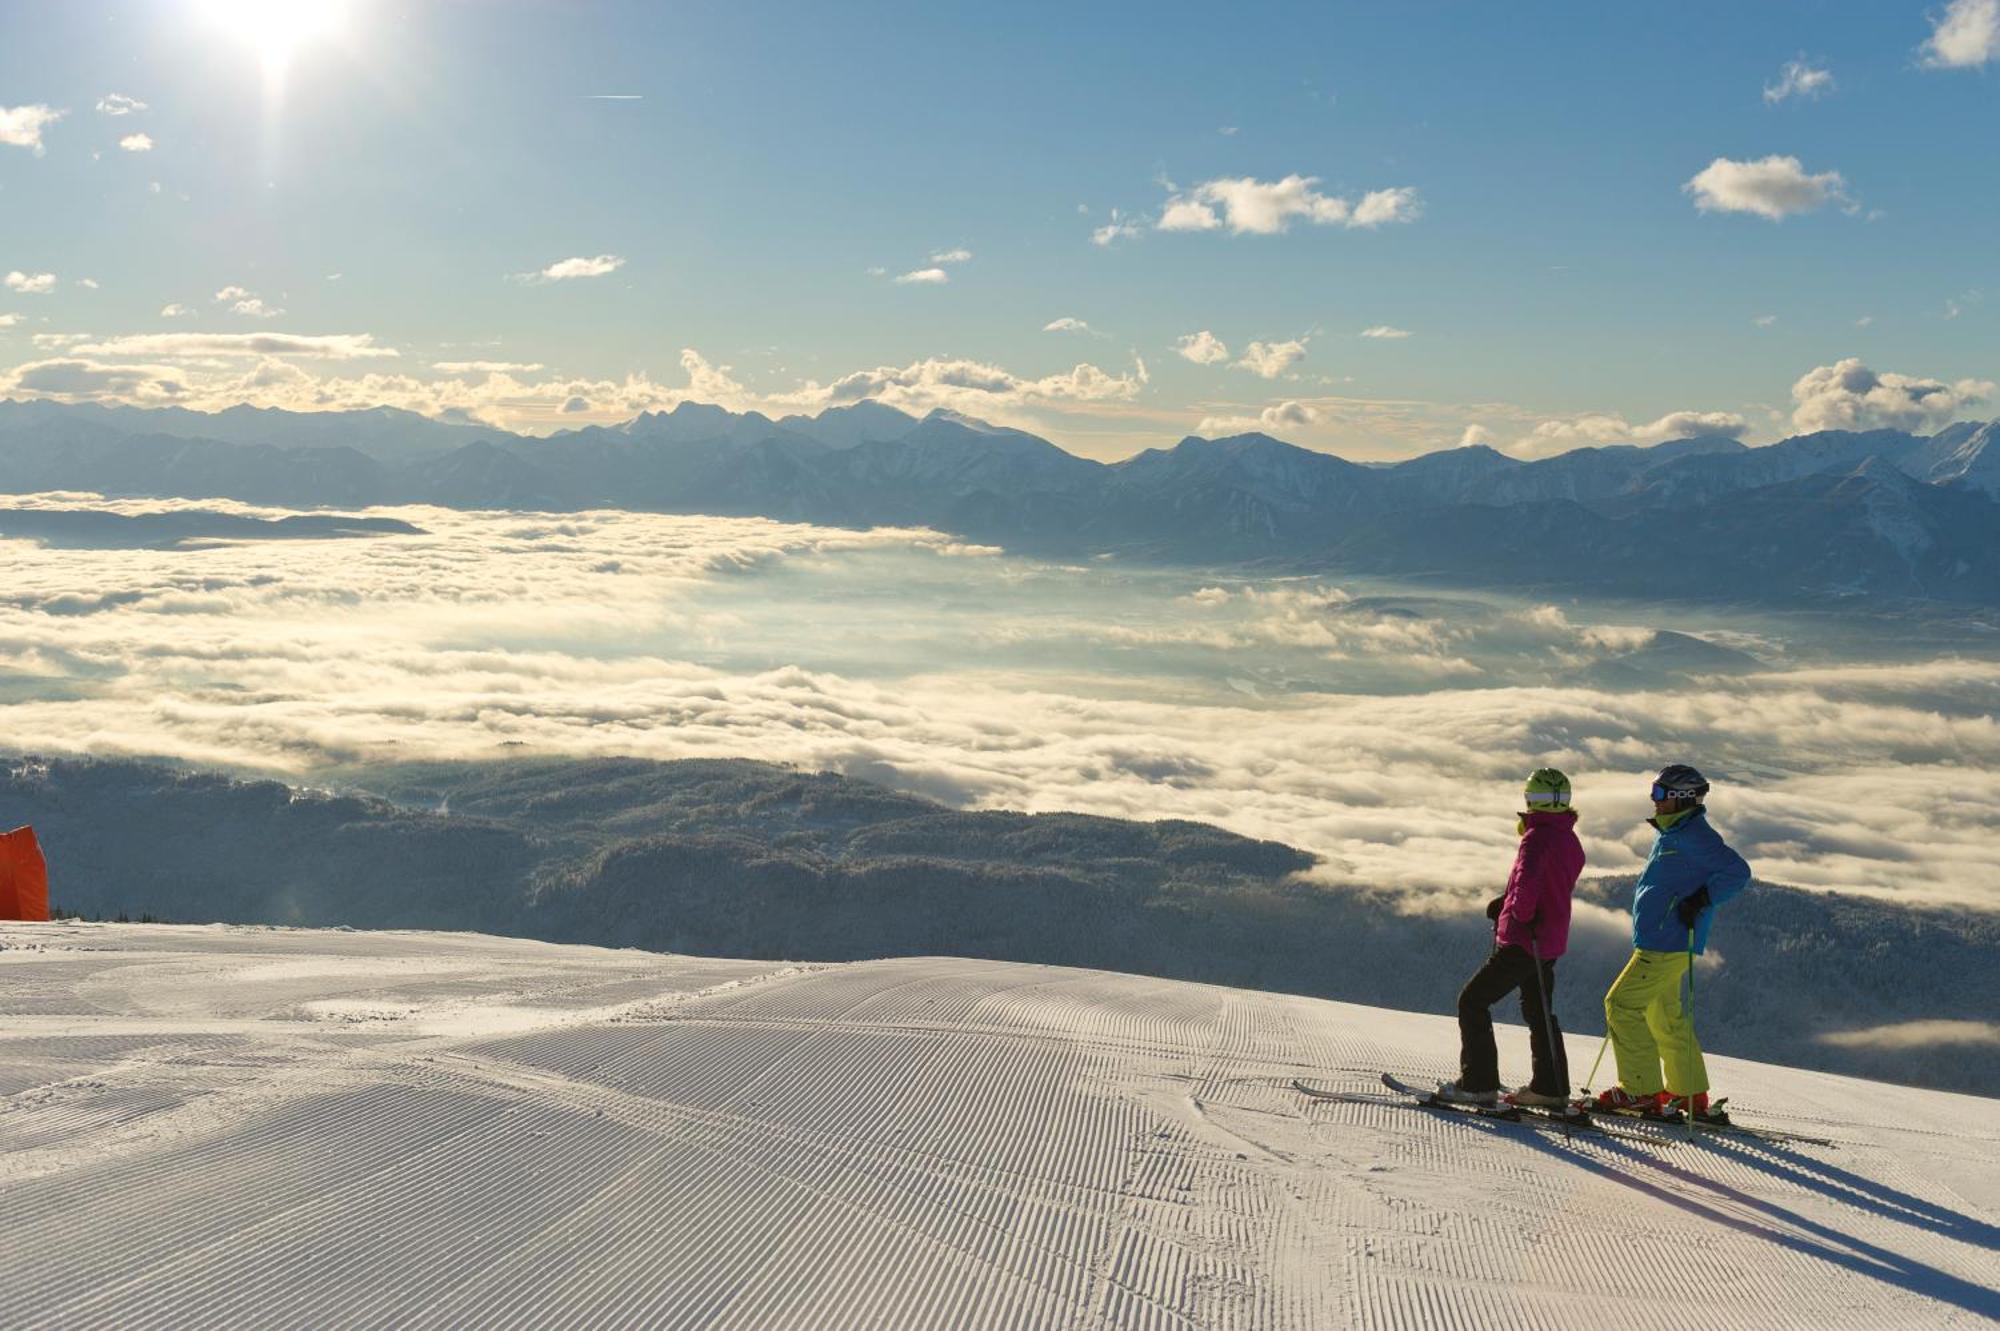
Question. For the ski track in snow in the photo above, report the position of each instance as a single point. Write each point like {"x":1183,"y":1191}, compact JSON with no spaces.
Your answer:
{"x":267,"y":1127}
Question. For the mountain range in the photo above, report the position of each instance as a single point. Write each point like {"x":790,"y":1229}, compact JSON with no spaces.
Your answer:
{"x":1826,"y":516}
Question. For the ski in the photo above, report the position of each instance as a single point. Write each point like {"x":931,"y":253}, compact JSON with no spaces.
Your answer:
{"x":1721,"y":1126}
{"x":1413,"y":1098}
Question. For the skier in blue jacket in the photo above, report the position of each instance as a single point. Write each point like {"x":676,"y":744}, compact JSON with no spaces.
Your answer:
{"x":1688,"y":875}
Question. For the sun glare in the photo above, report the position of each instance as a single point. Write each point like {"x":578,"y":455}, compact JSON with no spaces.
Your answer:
{"x":277,"y":29}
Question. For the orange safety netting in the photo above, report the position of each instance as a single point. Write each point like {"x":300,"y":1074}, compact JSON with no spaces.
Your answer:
{"x":24,"y":877}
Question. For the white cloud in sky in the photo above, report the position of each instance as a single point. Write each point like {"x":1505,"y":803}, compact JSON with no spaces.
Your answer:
{"x":1203,"y":348}
{"x":137,"y":143}
{"x":1965,"y":36}
{"x":1847,"y":395}
{"x":929,"y":277}
{"x":1772,"y":187}
{"x":1385,"y":332}
{"x":1279,"y":416}
{"x":1066,"y":324}
{"x":485,"y":366}
{"x":1475,"y":434}
{"x":567,"y":270}
{"x":959,"y":255}
{"x":30,"y":284}
{"x":117,"y":104}
{"x":9,"y":320}
{"x":1120,"y":227}
{"x":973,"y":387}
{"x":175,"y":310}
{"x":1268,"y":360}
{"x":88,"y":283}
{"x":1188,"y":215}
{"x":326,"y":346}
{"x":255,"y":308}
{"x":22,"y":126}
{"x":1590,"y":429}
{"x":1798,"y":79}
{"x":1248,"y":206}
{"x":1765,"y":320}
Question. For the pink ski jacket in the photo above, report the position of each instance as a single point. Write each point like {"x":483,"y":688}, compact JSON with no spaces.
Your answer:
{"x":1536,"y":916}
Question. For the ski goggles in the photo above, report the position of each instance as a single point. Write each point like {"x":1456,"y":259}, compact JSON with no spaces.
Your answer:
{"x":1661,"y":792}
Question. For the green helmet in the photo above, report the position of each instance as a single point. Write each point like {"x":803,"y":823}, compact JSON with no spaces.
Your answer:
{"x":1547,"y":791}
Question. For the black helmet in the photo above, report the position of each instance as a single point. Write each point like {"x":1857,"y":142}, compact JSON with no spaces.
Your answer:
{"x":1678,"y":781}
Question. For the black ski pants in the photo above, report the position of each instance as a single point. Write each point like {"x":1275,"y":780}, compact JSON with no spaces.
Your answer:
{"x":1510,"y":968}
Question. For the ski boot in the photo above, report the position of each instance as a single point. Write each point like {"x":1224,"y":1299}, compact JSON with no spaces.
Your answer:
{"x":1449,"y":1092}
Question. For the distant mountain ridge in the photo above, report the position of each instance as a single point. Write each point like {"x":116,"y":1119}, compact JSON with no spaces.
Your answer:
{"x":1831,"y":514}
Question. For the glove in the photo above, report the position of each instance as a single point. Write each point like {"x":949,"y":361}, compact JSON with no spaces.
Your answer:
{"x":1688,"y":908}
{"x":1494,"y":907}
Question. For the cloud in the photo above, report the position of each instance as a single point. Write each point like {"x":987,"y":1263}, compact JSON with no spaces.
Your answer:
{"x":1384,"y":331}
{"x":58,"y":341}
{"x":117,"y":104}
{"x":1279,"y":416}
{"x":175,"y":310}
{"x":1188,"y":215}
{"x":1561,"y":435}
{"x":1120,"y":227}
{"x":1388,"y":736}
{"x":935,"y":277}
{"x":960,"y":255}
{"x":1249,"y":206}
{"x":137,"y":143}
{"x":1965,"y":36}
{"x":966,"y":385}
{"x":709,"y":383}
{"x":1798,"y":79}
{"x":565,"y":270}
{"x":1848,"y":395}
{"x":244,"y":302}
{"x":1203,"y":348}
{"x":1772,"y":187}
{"x":329,"y":346}
{"x":22,"y":126}
{"x":485,"y":366}
{"x":1765,"y":320}
{"x":1066,"y":324}
{"x":1475,"y":435}
{"x":9,"y":320}
{"x":88,"y":283}
{"x":30,"y":284}
{"x":140,"y":385}
{"x":1268,"y":360}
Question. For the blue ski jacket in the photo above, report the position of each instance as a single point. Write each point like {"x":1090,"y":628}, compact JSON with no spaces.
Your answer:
{"x":1687,"y":856}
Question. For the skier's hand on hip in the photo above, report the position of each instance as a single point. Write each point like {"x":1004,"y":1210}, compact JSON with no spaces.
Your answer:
{"x":1495,"y":906}
{"x":1689,"y":908}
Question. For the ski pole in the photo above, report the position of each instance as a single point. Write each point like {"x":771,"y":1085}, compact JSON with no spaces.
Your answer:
{"x":1548,"y":1017}
{"x":1687,"y":1010}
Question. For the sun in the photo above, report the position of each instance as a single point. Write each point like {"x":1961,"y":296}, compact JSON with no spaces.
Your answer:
{"x":277,"y":29}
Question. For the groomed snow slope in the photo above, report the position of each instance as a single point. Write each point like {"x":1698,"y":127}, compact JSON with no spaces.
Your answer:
{"x":240,"y":1126}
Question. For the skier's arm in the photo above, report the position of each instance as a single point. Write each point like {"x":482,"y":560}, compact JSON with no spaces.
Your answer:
{"x":1526,"y":889}
{"x":1728,"y":873}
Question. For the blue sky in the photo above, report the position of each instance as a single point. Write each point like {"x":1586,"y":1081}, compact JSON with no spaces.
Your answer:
{"x":1571,"y":219}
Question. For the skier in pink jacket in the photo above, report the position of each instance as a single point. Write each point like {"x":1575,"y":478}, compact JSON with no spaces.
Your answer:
{"x":1530,"y":930}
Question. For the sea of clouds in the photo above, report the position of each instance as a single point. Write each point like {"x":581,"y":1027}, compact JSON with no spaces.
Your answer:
{"x":1385,"y":729}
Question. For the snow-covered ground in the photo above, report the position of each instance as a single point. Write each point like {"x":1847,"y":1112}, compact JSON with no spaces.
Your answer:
{"x":244,"y":1126}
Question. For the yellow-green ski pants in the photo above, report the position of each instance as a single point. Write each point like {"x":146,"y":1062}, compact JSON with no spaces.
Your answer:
{"x":1650,"y":1024}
